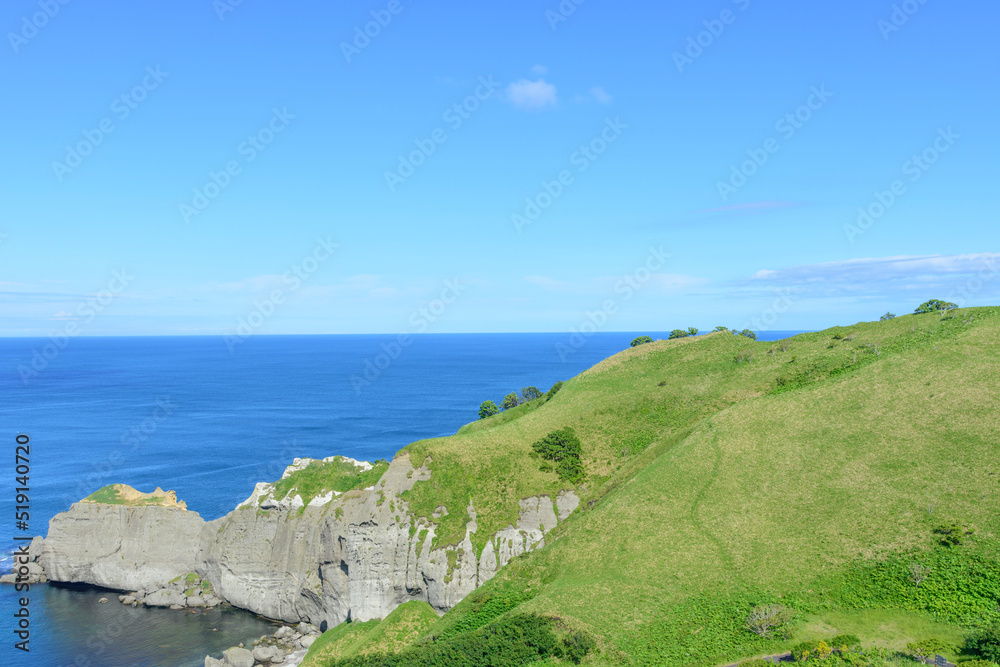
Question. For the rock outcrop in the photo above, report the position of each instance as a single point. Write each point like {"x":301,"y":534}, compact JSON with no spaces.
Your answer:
{"x":355,"y":555}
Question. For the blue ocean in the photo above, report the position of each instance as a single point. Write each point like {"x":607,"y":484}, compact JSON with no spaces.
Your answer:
{"x":193,"y":415}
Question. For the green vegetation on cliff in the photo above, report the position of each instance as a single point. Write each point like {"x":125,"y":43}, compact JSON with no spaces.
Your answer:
{"x":320,"y":477}
{"x":724,"y":475}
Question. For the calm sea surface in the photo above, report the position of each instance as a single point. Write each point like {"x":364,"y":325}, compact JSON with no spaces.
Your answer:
{"x":185,"y":413}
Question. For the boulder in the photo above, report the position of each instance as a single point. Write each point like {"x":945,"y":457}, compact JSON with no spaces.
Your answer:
{"x":308,"y":641}
{"x":237,"y":657}
{"x":267,"y":653}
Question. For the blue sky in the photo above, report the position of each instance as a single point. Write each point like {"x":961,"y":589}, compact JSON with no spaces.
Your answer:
{"x":202,"y":167}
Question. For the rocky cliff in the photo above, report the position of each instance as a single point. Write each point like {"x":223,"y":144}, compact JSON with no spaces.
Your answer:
{"x":321,"y":561}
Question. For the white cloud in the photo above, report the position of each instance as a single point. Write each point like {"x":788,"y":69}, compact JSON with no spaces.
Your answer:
{"x":599,"y":94}
{"x":532,"y":95}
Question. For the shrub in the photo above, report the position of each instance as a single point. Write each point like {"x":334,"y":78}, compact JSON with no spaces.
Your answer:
{"x":720,"y":329}
{"x":488,"y":409}
{"x":979,"y":663}
{"x":952,"y":534}
{"x":553,"y":390}
{"x":577,"y":646}
{"x":985,"y":643}
{"x":562,"y":450}
{"x":678,"y":333}
{"x":530,"y":394}
{"x":749,"y":334}
{"x":692,"y":331}
{"x":509,"y":401}
{"x":802,"y":652}
{"x":641,"y":340}
{"x":845,"y":642}
{"x":887,"y":317}
{"x":926,"y":648}
{"x":756,"y":662}
{"x":935,"y":306}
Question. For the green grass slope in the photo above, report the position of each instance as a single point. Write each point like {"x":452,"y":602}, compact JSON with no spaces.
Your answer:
{"x":405,"y":624}
{"x":724,"y":473}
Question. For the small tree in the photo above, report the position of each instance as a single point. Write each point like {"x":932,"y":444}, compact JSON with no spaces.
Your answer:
{"x":641,"y":340}
{"x":749,"y":334}
{"x":692,"y":331}
{"x":766,"y":618}
{"x":887,"y":317}
{"x":720,"y":329}
{"x":678,"y":333}
{"x":488,"y":409}
{"x":919,"y":573}
{"x":935,"y":306}
{"x":530,"y":394}
{"x":509,"y":401}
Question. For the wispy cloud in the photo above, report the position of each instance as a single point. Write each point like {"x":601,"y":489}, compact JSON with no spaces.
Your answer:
{"x":532,"y":95}
{"x":601,"y":95}
{"x":878,"y":274}
{"x":540,"y":70}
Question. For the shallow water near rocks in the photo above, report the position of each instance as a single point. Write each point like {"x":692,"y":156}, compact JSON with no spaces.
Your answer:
{"x":70,"y":627}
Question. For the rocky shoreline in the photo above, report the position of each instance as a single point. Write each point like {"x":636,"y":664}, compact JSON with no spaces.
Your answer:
{"x":355,"y":555}
{"x":286,"y":647}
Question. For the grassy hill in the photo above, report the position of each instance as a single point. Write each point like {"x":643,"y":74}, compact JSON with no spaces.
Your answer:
{"x":725,"y":473}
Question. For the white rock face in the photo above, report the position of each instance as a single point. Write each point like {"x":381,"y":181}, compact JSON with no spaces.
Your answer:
{"x":345,"y":556}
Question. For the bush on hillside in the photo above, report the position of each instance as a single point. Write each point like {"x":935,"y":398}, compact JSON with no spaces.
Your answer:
{"x":530,"y":394}
{"x":488,"y":409}
{"x":517,"y":639}
{"x":692,"y":331}
{"x":844,"y":642}
{"x":641,"y":340}
{"x":887,"y":317}
{"x":562,"y":450}
{"x":935,"y":306}
{"x":509,"y":401}
{"x":749,"y":334}
{"x":553,"y":390}
{"x":926,"y":648}
{"x":678,"y":333}
{"x":953,"y":534}
{"x":979,"y":663}
{"x":720,"y":329}
{"x":576,"y":647}
{"x":985,"y":643}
